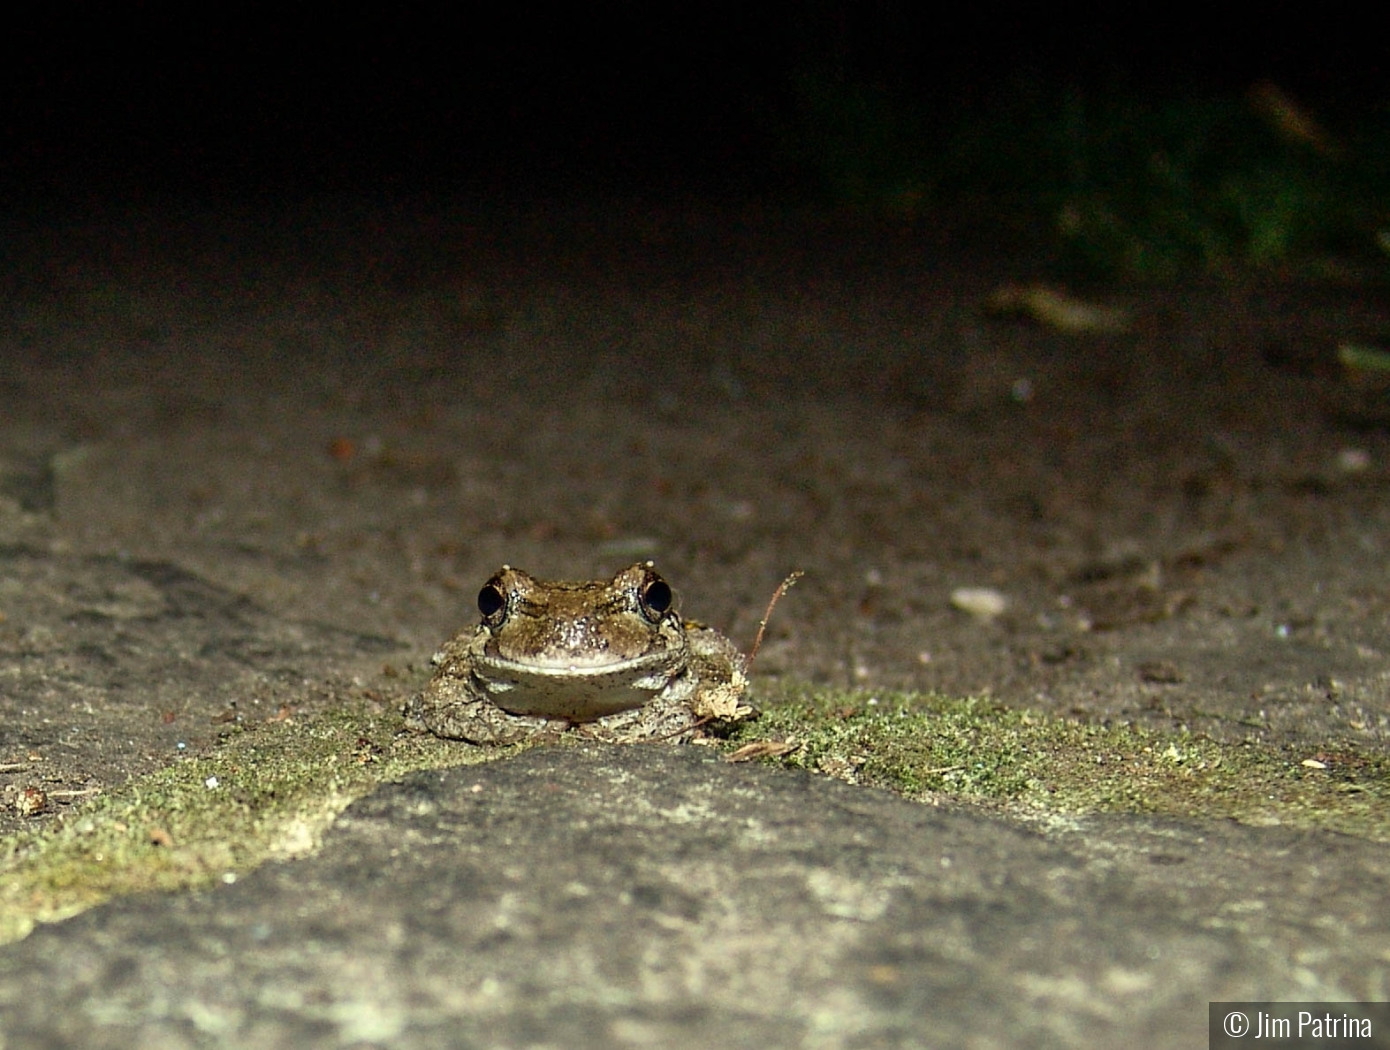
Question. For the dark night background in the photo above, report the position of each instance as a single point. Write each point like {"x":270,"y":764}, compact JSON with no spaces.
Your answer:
{"x":124,"y":101}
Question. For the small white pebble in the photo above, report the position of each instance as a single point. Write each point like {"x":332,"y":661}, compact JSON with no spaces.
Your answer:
{"x":1353,"y":460}
{"x":983,"y":603}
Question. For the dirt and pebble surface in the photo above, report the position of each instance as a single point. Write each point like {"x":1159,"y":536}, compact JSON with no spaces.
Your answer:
{"x":254,"y":467}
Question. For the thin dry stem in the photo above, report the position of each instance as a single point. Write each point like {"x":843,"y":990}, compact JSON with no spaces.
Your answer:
{"x":782,"y":589}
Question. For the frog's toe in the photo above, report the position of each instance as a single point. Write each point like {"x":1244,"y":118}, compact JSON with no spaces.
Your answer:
{"x":473,"y":721}
{"x":414,"y":712}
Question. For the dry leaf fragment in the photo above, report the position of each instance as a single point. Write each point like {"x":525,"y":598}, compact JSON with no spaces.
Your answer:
{"x":762,"y":749}
{"x":1056,"y":309}
{"x":722,"y":700}
{"x":1293,"y":121}
{"x":30,"y":801}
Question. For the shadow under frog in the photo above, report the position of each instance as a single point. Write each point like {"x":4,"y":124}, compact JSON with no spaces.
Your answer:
{"x":608,"y":658}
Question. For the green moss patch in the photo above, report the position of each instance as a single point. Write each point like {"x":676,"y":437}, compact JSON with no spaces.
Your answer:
{"x":264,"y":791}
{"x":931,"y":747}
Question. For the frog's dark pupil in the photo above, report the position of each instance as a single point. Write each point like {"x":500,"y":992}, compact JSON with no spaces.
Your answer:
{"x":490,"y":599}
{"x":657,"y":596}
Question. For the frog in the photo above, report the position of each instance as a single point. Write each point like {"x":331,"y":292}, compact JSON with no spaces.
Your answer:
{"x":609,"y":659}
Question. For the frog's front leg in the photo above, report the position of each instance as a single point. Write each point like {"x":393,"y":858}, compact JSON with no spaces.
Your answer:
{"x":450,"y":708}
{"x":661,"y":719}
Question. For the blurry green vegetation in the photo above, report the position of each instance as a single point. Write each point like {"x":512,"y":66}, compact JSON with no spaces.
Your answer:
{"x":1141,"y":187}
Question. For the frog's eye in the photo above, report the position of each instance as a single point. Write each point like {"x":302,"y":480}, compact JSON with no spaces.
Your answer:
{"x":491,"y":600}
{"x":656,"y":598}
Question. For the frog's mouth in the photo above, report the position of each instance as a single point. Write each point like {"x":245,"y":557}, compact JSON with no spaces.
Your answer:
{"x":579,"y":691}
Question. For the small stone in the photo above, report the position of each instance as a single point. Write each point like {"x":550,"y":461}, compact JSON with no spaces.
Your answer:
{"x":1353,"y":460}
{"x":983,"y":603}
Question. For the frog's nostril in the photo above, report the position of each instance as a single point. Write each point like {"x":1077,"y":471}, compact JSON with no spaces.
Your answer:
{"x":491,"y":600}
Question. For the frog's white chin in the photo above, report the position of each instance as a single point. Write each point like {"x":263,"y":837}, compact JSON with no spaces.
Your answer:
{"x":560,"y":693}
